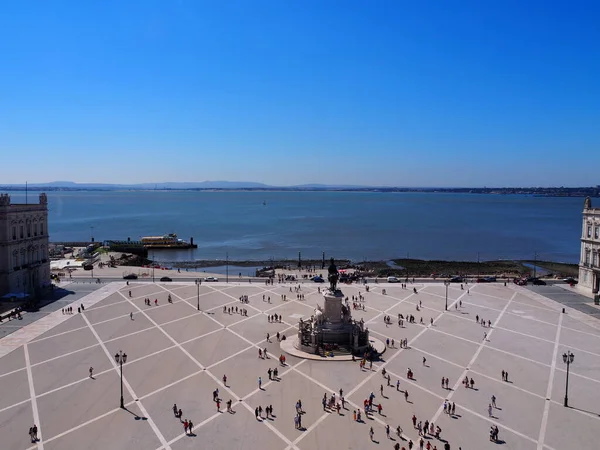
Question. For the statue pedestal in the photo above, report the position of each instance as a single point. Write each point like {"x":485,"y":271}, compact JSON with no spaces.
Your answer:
{"x":332,"y":308}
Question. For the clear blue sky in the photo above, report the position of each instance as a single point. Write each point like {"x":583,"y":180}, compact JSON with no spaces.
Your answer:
{"x":402,"y":93}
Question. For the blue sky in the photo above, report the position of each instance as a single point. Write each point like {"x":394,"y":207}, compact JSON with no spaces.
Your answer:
{"x":399,"y":93}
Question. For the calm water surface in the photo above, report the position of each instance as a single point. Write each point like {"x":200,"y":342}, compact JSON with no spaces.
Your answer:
{"x":355,"y":225}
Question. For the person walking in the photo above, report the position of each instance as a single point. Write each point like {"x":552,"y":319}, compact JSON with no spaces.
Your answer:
{"x":131,"y":315}
{"x":490,"y":410}
{"x":190,"y":425}
{"x":371,"y":433}
{"x":494,"y":401}
{"x":91,"y":372}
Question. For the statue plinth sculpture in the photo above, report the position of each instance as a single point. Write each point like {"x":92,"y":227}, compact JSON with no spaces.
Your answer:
{"x":331,"y":327}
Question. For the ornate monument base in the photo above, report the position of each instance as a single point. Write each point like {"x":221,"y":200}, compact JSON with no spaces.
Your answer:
{"x":331,"y":330}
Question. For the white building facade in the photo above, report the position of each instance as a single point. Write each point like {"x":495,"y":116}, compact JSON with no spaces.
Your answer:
{"x":589,"y":264}
{"x":24,"y":262}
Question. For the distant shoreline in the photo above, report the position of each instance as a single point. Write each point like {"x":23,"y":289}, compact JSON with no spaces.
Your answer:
{"x":538,"y":192}
{"x":404,"y":267}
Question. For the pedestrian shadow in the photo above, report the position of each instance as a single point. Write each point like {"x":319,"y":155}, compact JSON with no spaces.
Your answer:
{"x":382,"y":415}
{"x":191,"y":434}
{"x":408,"y":401}
{"x":455,"y":416}
{"x":426,"y":365}
{"x":499,"y":442}
{"x":374,"y":441}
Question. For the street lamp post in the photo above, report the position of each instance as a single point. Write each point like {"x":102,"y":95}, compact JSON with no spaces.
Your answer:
{"x":121,"y":358}
{"x":198,"y":286}
{"x":568,"y":359}
{"x":446,"y":283}
{"x":153,"y":264}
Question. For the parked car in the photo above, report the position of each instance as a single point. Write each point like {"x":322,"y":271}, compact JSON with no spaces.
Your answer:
{"x":393,"y":280}
{"x":130,"y":276}
{"x":486,"y":280}
{"x":166,"y":279}
{"x":538,"y":282}
{"x":318,"y":279}
{"x":211,"y":279}
{"x":570,"y":280}
{"x":456,"y":280}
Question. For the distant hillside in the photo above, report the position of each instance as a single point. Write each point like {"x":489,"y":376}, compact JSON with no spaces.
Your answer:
{"x":592,"y":191}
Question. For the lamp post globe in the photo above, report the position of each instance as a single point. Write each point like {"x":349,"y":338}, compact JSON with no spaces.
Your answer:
{"x":198,"y":291}
{"x":446,"y":283}
{"x":121,"y":358}
{"x":568,"y":359}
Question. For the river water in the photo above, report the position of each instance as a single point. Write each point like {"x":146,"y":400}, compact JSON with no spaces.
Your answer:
{"x":354,"y":225}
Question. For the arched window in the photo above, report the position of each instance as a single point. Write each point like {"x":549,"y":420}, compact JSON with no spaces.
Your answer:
{"x":41,"y":228}
{"x":15,"y":258}
{"x":28,"y":228}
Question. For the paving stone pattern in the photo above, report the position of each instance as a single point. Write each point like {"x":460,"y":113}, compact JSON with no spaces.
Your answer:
{"x":177,"y":354}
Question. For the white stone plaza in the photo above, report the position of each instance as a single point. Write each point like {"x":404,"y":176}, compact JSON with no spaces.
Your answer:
{"x":177,"y":354}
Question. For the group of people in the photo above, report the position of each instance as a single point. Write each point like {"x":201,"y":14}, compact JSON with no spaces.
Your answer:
{"x":33,"y":433}
{"x":188,"y":425}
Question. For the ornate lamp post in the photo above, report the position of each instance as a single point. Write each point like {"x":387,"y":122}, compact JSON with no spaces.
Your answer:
{"x":121,"y":358}
{"x":446,"y":283}
{"x":198,"y":287}
{"x":568,"y":360}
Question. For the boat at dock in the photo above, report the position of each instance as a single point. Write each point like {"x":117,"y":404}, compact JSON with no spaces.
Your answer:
{"x":166,"y":241}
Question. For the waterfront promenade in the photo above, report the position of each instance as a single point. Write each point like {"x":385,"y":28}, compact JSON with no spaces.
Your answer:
{"x":178,"y":354}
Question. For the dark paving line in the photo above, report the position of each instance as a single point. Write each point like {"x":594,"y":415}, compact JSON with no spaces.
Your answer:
{"x":571,"y":299}
{"x":62,"y":298}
